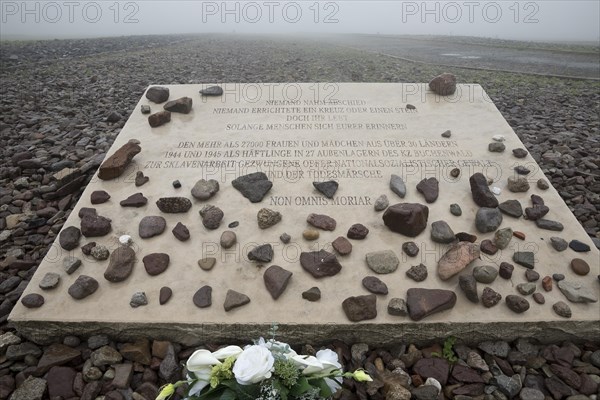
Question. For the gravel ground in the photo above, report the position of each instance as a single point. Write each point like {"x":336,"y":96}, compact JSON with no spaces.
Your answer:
{"x":62,"y":103}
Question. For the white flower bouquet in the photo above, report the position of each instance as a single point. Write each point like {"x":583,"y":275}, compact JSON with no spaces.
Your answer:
{"x":265,"y":370}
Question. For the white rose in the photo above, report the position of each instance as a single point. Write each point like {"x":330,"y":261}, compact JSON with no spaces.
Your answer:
{"x":253,"y":365}
{"x":324,"y":363}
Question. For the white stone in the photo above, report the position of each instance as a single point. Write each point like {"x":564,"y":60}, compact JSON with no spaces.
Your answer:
{"x":498,"y":138}
{"x":434,"y":382}
{"x":125,"y":240}
{"x":496,"y":190}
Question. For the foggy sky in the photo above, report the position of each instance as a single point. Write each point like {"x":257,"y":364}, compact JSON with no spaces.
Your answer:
{"x":540,"y":20}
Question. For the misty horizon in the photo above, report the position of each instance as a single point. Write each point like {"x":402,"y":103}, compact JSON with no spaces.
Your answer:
{"x":544,"y":21}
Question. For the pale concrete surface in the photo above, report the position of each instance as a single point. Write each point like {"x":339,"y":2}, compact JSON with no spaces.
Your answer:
{"x":469,"y":114}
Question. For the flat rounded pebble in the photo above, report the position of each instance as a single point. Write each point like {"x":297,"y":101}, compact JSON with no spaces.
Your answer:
{"x":312,"y":294}
{"x":561,"y":308}
{"x":517,"y":304}
{"x":151,"y":226}
{"x":285,"y":238}
{"x":410,"y":249}
{"x":99,"y":197}
{"x":228,"y":239}
{"x":455,"y":172}
{"x":580,"y":267}
{"x":374,"y":285}
{"x":531,"y":275}
{"x":207,"y":263}
{"x":33,"y":300}
{"x":310,"y":234}
{"x":547,"y":283}
{"x":506,"y":269}
{"x":164,"y":295}
{"x":342,"y":246}
{"x":455,"y":210}
{"x":539,"y":298}
{"x":381,"y":203}
{"x":558,"y":277}
{"x":234,"y":224}
{"x":49,"y":281}
{"x":489,"y":297}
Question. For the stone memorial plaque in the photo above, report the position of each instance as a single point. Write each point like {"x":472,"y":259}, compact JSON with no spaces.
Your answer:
{"x":328,"y":150}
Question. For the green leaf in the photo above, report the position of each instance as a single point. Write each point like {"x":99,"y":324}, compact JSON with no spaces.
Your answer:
{"x":283,"y":391}
{"x":301,"y":387}
{"x":228,"y":394}
{"x":325,"y":391}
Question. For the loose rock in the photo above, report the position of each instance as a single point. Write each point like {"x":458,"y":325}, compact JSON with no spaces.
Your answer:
{"x":121,"y":263}
{"x":203,"y":297}
{"x":115,"y":165}
{"x":512,"y":208}
{"x":156,"y":263}
{"x":580,"y":267}
{"x":429,"y":188}
{"x":549,"y":225}
{"x":441,"y":232}
{"x":424,"y":302}
{"x":381,"y":203}
{"x":276,"y":280}
{"x":32,"y":300}
{"x":310,"y":234}
{"x":517,"y":304}
{"x":182,"y":105}
{"x":212,"y":91}
{"x":157,"y":94}
{"x":502,"y":238}
{"x":135,"y":200}
{"x":253,"y":186}
{"x":267,"y":218}
{"x":456,"y":259}
{"x":542,"y":184}
{"x":49,"y":281}
{"x":235,"y":299}
{"x":397,"y":307}
{"x":342,"y":246}
{"x":151,"y":226}
{"x":83,"y":287}
{"x":211,"y":216}
{"x":205,"y":189}
{"x":489,"y":297}
{"x":357,"y":232}
{"x":70,"y":264}
{"x":517,"y":184}
{"x":69,"y":238}
{"x":409,"y":219}
{"x":506,"y":270}
{"x":327,"y":188}
{"x":468,"y":285}
{"x":382,"y":262}
{"x":444,"y":84}
{"x":485,"y":274}
{"x":410,"y":249}
{"x":320,"y":263}
{"x":488,"y":219}
{"x":576,"y":292}
{"x":263,"y":253}
{"x":524,"y":258}
{"x":480,"y":191}
{"x":140,"y":179}
{"x":578,"y":246}
{"x":207,"y":263}
{"x":228,"y":239}
{"x":536,"y":212}
{"x":360,"y":308}
{"x":138,"y":299}
{"x":181,"y":232}
{"x":496,"y":147}
{"x":520,"y":153}
{"x":374,"y":285}
{"x":526,"y":288}
{"x":488,"y":247}
{"x":99,"y":197}
{"x":321,"y":221}
{"x":174,"y":205}
{"x":100,"y":252}
{"x":562,"y":309}
{"x":455,"y":210}
{"x":418,"y":273}
{"x":312,"y":294}
{"x":397,"y":185}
